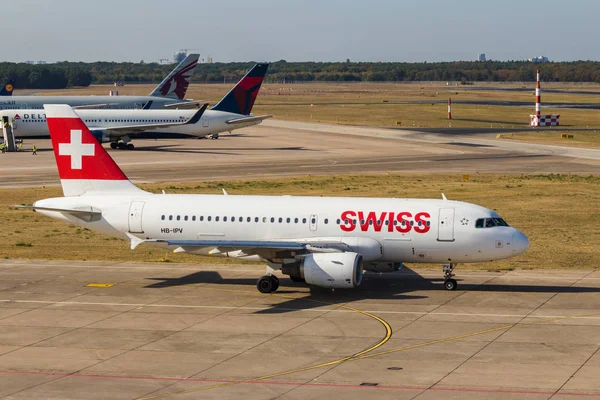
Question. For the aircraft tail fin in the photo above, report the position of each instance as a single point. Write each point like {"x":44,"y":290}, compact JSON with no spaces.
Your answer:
{"x":175,"y":85}
{"x":8,"y":87}
{"x":84,"y":166}
{"x":241,"y":98}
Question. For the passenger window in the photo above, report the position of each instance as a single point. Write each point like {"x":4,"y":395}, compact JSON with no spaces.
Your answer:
{"x":202,"y":218}
{"x":162,"y":217}
{"x":272,"y":219}
{"x":313,"y":221}
{"x":303,"y":220}
{"x":224,"y":219}
{"x":326,"y":221}
{"x":280,"y":220}
{"x":232,"y":219}
{"x":288,"y":220}
{"x":295,"y":220}
{"x":337,"y":221}
{"x":242,"y":219}
{"x":209,"y":218}
{"x":193,"y":217}
{"x":217,"y":219}
{"x":185,"y":218}
{"x":249,"y":219}
{"x":170,"y":218}
{"x":178,"y":217}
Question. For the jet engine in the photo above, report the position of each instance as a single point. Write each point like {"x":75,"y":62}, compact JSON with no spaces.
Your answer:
{"x":101,"y":136}
{"x":329,"y":270}
{"x":383,"y":267}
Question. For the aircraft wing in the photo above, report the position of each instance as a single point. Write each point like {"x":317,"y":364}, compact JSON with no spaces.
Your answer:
{"x":186,"y":105}
{"x":120,"y":131}
{"x":267,"y":249}
{"x":246,"y":120}
{"x":93,"y":106}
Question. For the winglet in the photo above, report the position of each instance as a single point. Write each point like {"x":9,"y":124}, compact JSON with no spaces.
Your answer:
{"x":196,"y":117}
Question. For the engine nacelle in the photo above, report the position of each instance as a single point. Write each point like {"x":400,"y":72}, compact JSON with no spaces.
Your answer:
{"x":329,"y":270}
{"x":383,"y":267}
{"x":101,"y":136}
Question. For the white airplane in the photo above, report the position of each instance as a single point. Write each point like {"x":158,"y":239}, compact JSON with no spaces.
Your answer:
{"x":325,"y":241}
{"x":117,"y":126}
{"x":169,"y":93}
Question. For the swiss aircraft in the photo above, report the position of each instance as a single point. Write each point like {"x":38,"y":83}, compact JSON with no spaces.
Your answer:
{"x":117,"y":126}
{"x":169,"y":93}
{"x":324,"y":241}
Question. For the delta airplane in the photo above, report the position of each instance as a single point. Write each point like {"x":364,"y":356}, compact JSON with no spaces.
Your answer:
{"x":169,"y":93}
{"x":324,"y":241}
{"x":116,"y":126}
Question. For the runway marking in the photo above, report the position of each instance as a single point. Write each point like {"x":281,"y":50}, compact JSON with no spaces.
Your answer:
{"x":387,"y":336}
{"x":321,"y":310}
{"x":283,"y":383}
{"x":362,"y":356}
{"x":100,"y":285}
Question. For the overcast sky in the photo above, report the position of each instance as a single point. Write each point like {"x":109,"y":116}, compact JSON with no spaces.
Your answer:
{"x":307,"y":30}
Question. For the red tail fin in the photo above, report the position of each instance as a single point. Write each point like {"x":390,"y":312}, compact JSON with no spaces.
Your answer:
{"x":83,"y":164}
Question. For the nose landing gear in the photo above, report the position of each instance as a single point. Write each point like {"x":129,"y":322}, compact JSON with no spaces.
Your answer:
{"x":449,"y":283}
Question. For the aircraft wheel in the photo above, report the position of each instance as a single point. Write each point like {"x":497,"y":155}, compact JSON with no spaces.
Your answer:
{"x":215,"y":136}
{"x":114,"y":145}
{"x":130,"y":146}
{"x":296,"y":279}
{"x":121,"y":146}
{"x":450,"y":284}
{"x":265,"y":284}
{"x":275,"y":282}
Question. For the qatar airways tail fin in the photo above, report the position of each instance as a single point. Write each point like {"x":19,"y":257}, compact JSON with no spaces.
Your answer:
{"x":7,"y":89}
{"x":175,"y":85}
{"x":241,"y":98}
{"x":84,"y":166}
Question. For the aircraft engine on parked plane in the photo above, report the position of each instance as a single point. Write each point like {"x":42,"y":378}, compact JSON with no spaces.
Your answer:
{"x":329,"y":270}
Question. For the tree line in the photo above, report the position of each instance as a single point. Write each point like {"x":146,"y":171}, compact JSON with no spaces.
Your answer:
{"x":66,"y":74}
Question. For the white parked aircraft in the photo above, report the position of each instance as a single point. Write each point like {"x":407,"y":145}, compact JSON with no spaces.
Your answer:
{"x":116,"y":126}
{"x":326,"y":241}
{"x":169,"y":93}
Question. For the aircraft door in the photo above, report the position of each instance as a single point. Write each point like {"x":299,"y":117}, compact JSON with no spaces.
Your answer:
{"x":313,"y":222}
{"x":446,"y":225}
{"x":135,"y":216}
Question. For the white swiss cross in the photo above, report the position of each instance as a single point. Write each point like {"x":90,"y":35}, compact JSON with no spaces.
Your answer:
{"x":76,"y":149}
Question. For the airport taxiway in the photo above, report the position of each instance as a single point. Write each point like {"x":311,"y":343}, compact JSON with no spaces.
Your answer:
{"x":279,"y":148}
{"x":92,"y":330}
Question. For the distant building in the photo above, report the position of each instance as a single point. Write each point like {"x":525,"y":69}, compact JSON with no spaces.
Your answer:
{"x":539,"y":59}
{"x":481,"y":57}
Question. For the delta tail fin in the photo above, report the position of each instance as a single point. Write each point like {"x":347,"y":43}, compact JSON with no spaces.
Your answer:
{"x":7,"y":89}
{"x":241,"y":98}
{"x":84,"y":166}
{"x":175,"y":85}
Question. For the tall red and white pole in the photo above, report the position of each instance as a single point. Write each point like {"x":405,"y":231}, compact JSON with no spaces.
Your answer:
{"x":538,"y":97}
{"x":449,"y":108}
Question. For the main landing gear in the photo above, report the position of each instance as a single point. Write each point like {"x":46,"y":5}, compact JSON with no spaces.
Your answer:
{"x":267,"y":284}
{"x":122,"y":145}
{"x":449,"y":283}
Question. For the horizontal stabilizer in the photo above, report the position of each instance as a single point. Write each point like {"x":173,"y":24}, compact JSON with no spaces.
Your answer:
{"x":72,"y":211}
{"x":248,"y":120}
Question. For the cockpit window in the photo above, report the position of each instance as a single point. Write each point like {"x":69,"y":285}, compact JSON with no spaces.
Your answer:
{"x":489,"y":222}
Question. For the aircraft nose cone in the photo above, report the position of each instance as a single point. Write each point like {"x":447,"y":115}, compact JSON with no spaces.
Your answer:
{"x":520,"y":242}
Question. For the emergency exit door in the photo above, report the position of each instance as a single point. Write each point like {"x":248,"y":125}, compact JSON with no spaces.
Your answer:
{"x":446,"y":225}
{"x":135,"y":217}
